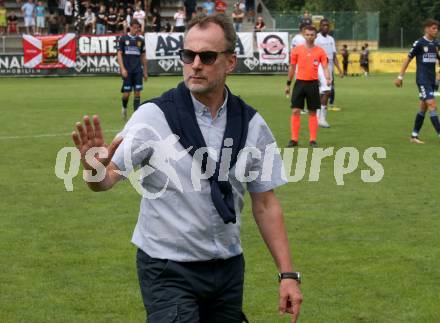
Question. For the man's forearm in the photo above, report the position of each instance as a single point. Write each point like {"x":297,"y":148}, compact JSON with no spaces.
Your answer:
{"x":110,"y":179}
{"x":270,"y":222}
{"x":404,"y":66}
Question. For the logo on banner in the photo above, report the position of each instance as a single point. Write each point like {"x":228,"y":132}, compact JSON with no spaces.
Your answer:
{"x":166,"y":64}
{"x":251,"y":63}
{"x":273,"y":47}
{"x":57,"y":51}
{"x":80,"y":64}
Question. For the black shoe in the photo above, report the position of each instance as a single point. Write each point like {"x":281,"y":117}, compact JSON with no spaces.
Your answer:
{"x":292,"y":143}
{"x":313,"y":144}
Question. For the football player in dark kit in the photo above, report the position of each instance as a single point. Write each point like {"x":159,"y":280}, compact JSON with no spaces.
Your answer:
{"x":426,"y":52}
{"x":133,"y":64}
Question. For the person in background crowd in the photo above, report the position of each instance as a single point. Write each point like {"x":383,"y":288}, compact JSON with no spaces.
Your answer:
{"x":112,"y":21}
{"x":68,"y":15}
{"x":40,"y":13}
{"x":250,"y":10}
{"x":120,"y":20}
{"x":220,"y":6}
{"x":12,"y":23}
{"x":29,"y":19}
{"x":52,"y":23}
{"x":128,"y":19}
{"x":139,"y":15}
{"x":241,"y":5}
{"x":133,"y":65}
{"x":101,"y":21}
{"x":168,"y":27}
{"x":179,"y":20}
{"x":364,"y":60}
{"x":190,"y":8}
{"x":306,"y":18}
{"x":237,"y":18}
{"x":209,"y":7}
{"x":3,"y":20}
{"x":259,"y":25}
{"x":200,"y":12}
{"x":61,"y":17}
{"x":89,"y":21}
{"x":345,"y":55}
{"x":156,"y":23}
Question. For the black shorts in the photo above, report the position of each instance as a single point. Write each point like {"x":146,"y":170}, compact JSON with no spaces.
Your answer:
{"x":308,"y":90}
{"x":133,"y":81}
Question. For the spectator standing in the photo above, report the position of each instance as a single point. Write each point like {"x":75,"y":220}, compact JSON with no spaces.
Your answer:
{"x":52,"y":23}
{"x":190,"y":8}
{"x":345,"y":55}
{"x":68,"y":15}
{"x":3,"y":23}
{"x":139,"y":15}
{"x":179,"y":20}
{"x":259,"y":25}
{"x":12,"y":23}
{"x":238,"y":17}
{"x":156,"y":23}
{"x":250,"y":10}
{"x":220,"y":6}
{"x":61,"y":17}
{"x":29,"y":16}
{"x":128,"y":19}
{"x":40,"y":13}
{"x":120,"y":20}
{"x":89,"y":21}
{"x":101,"y":21}
{"x":209,"y":7}
{"x":112,"y":21}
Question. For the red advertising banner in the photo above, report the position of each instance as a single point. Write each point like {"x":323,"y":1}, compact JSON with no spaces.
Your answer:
{"x":45,"y":52}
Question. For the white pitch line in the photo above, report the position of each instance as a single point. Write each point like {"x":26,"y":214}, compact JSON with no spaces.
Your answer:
{"x":47,"y":135}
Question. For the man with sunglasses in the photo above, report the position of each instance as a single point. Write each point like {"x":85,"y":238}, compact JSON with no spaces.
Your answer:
{"x":133,"y":65}
{"x":190,"y":260}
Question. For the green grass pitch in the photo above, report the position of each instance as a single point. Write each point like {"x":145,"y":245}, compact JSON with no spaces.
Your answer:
{"x":368,"y":252}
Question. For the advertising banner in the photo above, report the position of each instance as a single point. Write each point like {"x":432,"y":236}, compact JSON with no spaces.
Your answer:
{"x":49,"y":52}
{"x":273,"y":47}
{"x":167,"y":45}
{"x":93,"y":45}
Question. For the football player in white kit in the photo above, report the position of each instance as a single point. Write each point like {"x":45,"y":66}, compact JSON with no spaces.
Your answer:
{"x":327,"y":42}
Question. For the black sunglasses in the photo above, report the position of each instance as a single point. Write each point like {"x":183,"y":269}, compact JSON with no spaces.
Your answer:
{"x":208,"y":58}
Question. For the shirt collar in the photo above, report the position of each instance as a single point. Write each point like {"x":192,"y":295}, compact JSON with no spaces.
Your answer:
{"x":200,"y":108}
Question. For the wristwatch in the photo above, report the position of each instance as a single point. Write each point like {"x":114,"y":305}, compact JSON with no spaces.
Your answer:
{"x":292,"y":275}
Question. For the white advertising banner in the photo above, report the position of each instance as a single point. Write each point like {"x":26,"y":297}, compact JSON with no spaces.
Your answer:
{"x":167,"y":45}
{"x":273,"y":47}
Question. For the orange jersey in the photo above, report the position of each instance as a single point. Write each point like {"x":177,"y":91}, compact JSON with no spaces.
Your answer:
{"x":307,"y":61}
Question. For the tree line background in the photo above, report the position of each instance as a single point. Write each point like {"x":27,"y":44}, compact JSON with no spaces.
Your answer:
{"x":394,"y":14}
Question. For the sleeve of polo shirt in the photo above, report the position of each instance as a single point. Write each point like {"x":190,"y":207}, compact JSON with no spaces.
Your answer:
{"x":294,"y":56}
{"x":140,"y":136}
{"x":269,"y":167}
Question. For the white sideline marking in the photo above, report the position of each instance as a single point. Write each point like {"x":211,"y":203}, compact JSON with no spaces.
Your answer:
{"x":47,"y":135}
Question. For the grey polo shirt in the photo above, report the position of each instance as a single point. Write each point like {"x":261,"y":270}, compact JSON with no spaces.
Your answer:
{"x":177,"y":218}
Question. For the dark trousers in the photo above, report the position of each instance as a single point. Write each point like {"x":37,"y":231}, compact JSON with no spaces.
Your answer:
{"x":192,"y":292}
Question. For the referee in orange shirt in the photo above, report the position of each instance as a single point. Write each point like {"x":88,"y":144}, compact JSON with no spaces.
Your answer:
{"x":307,"y":58}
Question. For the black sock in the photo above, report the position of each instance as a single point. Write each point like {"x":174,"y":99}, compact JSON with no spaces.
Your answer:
{"x":331,"y":99}
{"x":136,"y":102}
{"x":434,"y":120}
{"x":420,"y":117}
{"x":124,"y":103}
